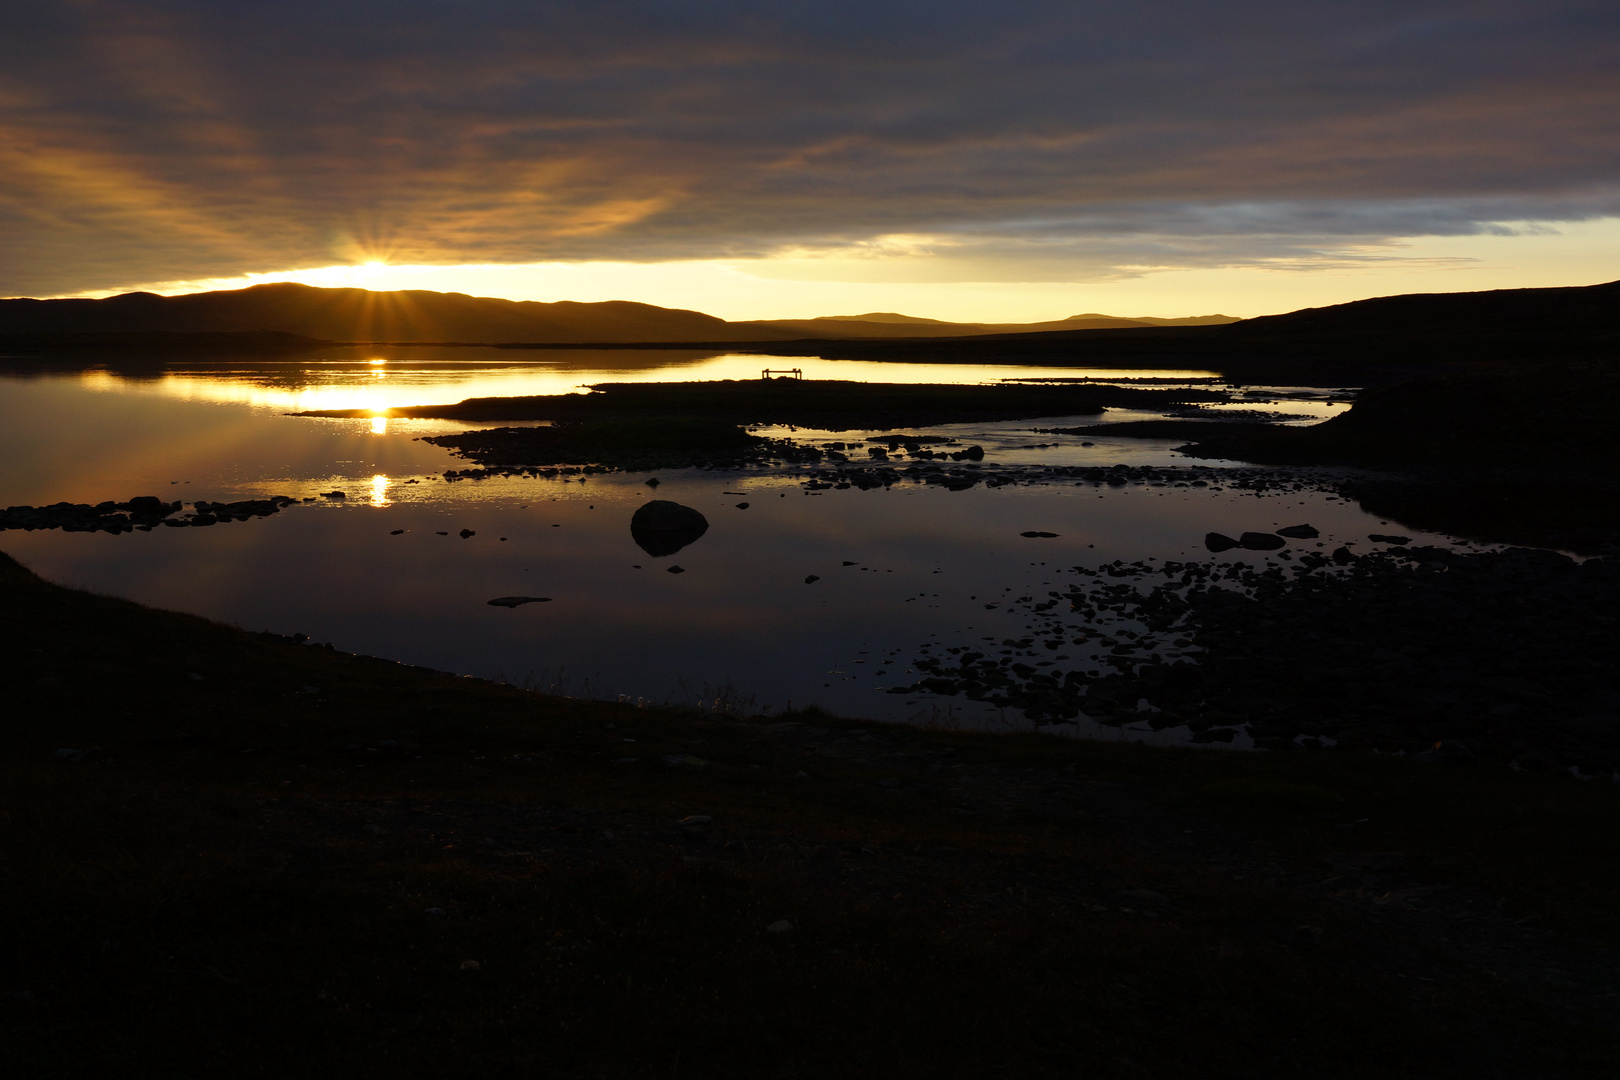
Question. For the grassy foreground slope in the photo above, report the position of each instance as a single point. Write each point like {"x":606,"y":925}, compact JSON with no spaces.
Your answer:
{"x":228,"y":854}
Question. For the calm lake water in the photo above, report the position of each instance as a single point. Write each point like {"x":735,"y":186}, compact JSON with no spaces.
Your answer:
{"x":896,"y":568}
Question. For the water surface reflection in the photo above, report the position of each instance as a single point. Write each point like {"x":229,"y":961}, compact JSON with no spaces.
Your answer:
{"x":384,"y":377}
{"x":792,"y":596}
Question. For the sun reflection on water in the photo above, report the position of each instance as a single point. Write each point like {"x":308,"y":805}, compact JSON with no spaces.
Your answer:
{"x":379,"y":425}
{"x":379,"y":489}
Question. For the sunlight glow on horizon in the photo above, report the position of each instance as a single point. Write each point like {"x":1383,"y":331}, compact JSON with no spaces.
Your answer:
{"x":806,"y":285}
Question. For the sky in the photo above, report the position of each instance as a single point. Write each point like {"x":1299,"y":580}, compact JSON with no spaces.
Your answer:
{"x":1008,"y":161}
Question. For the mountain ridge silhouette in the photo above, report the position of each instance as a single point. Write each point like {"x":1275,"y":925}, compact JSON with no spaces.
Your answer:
{"x":418,"y":315}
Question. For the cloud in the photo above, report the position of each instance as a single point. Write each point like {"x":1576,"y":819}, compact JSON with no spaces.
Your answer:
{"x":145,"y":141}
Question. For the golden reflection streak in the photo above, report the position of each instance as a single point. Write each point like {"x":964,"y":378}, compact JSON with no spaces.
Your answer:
{"x":379,"y":425}
{"x":379,"y":490}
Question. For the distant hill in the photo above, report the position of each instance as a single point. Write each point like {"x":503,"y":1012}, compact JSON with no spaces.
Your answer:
{"x":419,"y":315}
{"x":884,"y":317}
{"x":884,"y":324}
{"x":1420,"y":329}
{"x":362,"y":315}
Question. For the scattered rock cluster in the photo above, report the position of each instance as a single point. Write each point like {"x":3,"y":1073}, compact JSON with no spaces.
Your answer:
{"x":962,"y":477}
{"x":1429,"y":651}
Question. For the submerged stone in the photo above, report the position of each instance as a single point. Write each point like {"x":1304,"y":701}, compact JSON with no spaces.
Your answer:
{"x":1261,"y":541}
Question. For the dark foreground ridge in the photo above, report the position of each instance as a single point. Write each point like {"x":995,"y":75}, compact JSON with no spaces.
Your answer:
{"x":224,"y":849}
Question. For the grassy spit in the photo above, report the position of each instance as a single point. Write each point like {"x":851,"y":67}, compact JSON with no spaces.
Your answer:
{"x":226,"y":853}
{"x":819,"y":403}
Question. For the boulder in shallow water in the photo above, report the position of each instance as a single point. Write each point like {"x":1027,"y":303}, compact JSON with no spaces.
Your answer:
{"x":662,"y":515}
{"x":518,"y":601}
{"x":662,"y":527}
{"x":1261,"y":541}
{"x":1219,"y":542}
{"x":1299,"y":532}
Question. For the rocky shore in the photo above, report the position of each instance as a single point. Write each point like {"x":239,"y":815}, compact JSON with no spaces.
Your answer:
{"x":142,"y":513}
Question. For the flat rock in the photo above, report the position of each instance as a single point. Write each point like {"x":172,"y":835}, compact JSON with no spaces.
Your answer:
{"x":1219,"y":542}
{"x":518,"y":601}
{"x":1261,"y":541}
{"x":1299,"y":532}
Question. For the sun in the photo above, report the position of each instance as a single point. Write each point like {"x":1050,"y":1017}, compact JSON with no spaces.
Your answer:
{"x":368,"y":272}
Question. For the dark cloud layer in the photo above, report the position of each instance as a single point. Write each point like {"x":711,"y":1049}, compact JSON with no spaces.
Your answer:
{"x":186,"y":138}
